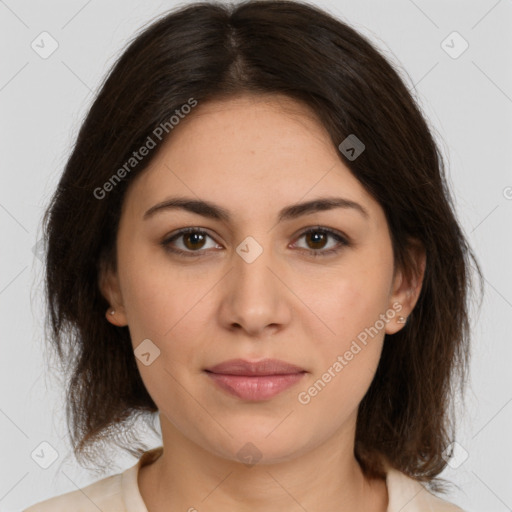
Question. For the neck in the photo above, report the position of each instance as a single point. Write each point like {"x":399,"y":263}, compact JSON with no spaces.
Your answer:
{"x":328,"y":477}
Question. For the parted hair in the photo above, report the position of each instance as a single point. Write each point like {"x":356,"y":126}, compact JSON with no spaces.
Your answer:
{"x":208,"y":51}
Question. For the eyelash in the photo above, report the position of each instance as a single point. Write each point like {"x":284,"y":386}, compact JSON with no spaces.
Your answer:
{"x":315,"y":253}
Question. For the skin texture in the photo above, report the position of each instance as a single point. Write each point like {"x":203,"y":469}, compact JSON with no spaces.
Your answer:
{"x":254,"y":156}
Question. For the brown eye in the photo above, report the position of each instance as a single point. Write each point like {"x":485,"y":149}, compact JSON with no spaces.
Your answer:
{"x":193,"y":240}
{"x":187,"y":242}
{"x":317,"y":240}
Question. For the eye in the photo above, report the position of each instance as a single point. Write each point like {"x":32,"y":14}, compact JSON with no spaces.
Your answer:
{"x":317,"y":237}
{"x":193,"y":241}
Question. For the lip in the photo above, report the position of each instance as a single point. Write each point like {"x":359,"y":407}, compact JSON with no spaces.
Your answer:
{"x":251,"y":368}
{"x":255,"y":381}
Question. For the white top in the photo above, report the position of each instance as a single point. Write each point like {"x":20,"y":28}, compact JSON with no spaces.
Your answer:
{"x":120,"y":493}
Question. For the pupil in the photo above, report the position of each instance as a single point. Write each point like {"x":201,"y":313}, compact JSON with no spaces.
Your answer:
{"x":195,"y":238}
{"x":317,"y":237}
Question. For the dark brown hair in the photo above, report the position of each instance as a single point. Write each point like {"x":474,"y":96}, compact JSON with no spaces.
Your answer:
{"x":209,"y":51}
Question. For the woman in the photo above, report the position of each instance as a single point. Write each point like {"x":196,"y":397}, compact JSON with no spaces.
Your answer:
{"x":253,"y":237}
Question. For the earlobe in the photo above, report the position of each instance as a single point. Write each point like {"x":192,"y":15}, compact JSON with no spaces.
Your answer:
{"x":108,"y":283}
{"x":402,"y":302}
{"x":116,"y":317}
{"x":407,"y":286}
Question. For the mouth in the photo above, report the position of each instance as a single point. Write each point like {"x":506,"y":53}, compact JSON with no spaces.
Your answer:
{"x":255,"y":381}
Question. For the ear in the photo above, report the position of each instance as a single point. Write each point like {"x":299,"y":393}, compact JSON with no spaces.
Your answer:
{"x":407,"y":286}
{"x":108,"y":283}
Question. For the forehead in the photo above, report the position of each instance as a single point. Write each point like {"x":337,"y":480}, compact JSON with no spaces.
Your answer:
{"x":272,"y":121}
{"x":247,"y":152}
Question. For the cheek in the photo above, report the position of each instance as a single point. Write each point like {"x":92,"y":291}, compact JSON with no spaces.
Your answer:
{"x":166,"y":315}
{"x":358,"y":334}
{"x":345,"y":363}
{"x":354,"y":298}
{"x":157,"y":296}
{"x":168,"y":308}
{"x":351,"y":306}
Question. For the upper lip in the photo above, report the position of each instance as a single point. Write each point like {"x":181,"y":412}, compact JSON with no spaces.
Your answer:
{"x":263,"y":367}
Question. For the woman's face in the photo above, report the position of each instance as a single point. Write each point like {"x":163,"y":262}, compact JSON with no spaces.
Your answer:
{"x":261,"y":280}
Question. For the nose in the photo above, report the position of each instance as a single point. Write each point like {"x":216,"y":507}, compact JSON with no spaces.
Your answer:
{"x":255,"y":297}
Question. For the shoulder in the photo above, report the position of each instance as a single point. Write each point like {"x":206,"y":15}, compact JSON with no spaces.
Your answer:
{"x":405,"y":494}
{"x":102,"y":495}
{"x":114,"y":493}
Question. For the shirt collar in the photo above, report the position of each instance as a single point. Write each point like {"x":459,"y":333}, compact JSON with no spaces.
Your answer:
{"x":405,"y":494}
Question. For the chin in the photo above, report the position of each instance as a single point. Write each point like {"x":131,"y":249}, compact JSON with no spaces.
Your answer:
{"x":256,"y":447}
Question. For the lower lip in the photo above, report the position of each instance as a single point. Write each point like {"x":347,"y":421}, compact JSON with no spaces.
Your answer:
{"x":261,"y":387}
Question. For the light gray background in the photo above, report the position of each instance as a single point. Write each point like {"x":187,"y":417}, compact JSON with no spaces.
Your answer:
{"x":468,"y":101}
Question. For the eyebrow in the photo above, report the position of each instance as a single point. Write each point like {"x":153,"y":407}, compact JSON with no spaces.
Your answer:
{"x":214,"y":211}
